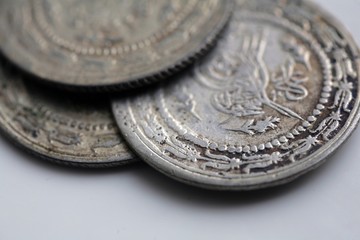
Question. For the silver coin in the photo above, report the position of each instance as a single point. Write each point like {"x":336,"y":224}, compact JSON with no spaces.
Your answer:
{"x":67,"y":129}
{"x":109,"y":43}
{"x":276,"y":97}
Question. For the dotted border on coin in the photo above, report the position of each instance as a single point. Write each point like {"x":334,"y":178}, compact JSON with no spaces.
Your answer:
{"x":327,"y":87}
{"x":155,"y":77}
{"x":115,"y":50}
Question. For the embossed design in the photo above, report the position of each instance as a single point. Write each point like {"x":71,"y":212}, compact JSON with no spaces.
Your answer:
{"x":60,"y":128}
{"x":261,"y":161}
{"x":107,"y":27}
{"x":252,"y":127}
{"x":111,"y":43}
{"x":310,"y":71}
{"x":328,"y":125}
{"x":186,"y":103}
{"x":328,"y":36}
{"x":107,"y":141}
{"x":245,"y":93}
{"x":290,"y":83}
{"x":172,"y":145}
{"x":344,"y":96}
{"x":300,"y":53}
{"x":300,"y":147}
{"x":221,"y":69}
{"x":343,"y":65}
{"x":28,"y":124}
{"x":344,"y":69}
{"x":154,"y":130}
{"x":64,"y":137}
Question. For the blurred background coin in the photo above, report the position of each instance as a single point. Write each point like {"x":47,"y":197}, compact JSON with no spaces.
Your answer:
{"x":110,"y":43}
{"x":67,"y":129}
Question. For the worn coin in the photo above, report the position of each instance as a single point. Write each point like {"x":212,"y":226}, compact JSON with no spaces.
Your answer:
{"x":276,"y":97}
{"x":109,"y":43}
{"x":60,"y":127}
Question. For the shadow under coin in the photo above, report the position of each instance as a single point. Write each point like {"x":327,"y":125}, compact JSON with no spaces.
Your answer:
{"x":186,"y":194}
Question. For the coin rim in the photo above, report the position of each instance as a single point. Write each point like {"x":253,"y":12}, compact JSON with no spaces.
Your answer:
{"x":65,"y":160}
{"x":132,"y":82}
{"x":218,"y":183}
{"x":14,"y":136}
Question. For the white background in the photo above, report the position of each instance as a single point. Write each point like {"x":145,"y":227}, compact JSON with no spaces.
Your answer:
{"x":43,"y":201}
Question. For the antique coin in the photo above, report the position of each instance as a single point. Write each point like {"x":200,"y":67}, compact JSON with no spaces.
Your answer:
{"x":108,"y":43}
{"x":67,"y":129}
{"x":272,"y":101}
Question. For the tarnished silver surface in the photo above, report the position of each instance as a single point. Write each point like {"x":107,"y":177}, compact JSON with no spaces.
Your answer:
{"x":87,"y":43}
{"x":276,"y":97}
{"x":71,"y":130}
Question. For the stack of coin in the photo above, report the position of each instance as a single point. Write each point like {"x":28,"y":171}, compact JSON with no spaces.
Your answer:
{"x":244,"y":94}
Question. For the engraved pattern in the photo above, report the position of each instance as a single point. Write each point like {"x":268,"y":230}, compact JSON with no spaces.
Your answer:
{"x":249,"y":78}
{"x":219,"y":79}
{"x":108,"y":44}
{"x":107,"y":27}
{"x":65,"y":129}
{"x":314,"y":75}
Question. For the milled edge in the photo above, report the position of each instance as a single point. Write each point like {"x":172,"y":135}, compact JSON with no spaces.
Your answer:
{"x":152,"y":78}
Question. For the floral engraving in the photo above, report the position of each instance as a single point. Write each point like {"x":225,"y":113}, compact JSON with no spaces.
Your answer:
{"x":248,"y":79}
{"x":328,"y":125}
{"x":240,"y":81}
{"x":300,"y":147}
{"x":289,"y":83}
{"x":252,"y":127}
{"x":328,"y":36}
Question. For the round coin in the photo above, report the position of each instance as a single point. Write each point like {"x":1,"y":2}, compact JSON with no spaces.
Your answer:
{"x":278,"y":94}
{"x":110,"y":43}
{"x":67,"y":129}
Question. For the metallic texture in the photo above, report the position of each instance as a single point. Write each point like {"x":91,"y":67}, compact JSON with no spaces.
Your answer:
{"x":64,"y":128}
{"x":271,"y":102}
{"x":108,"y":44}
